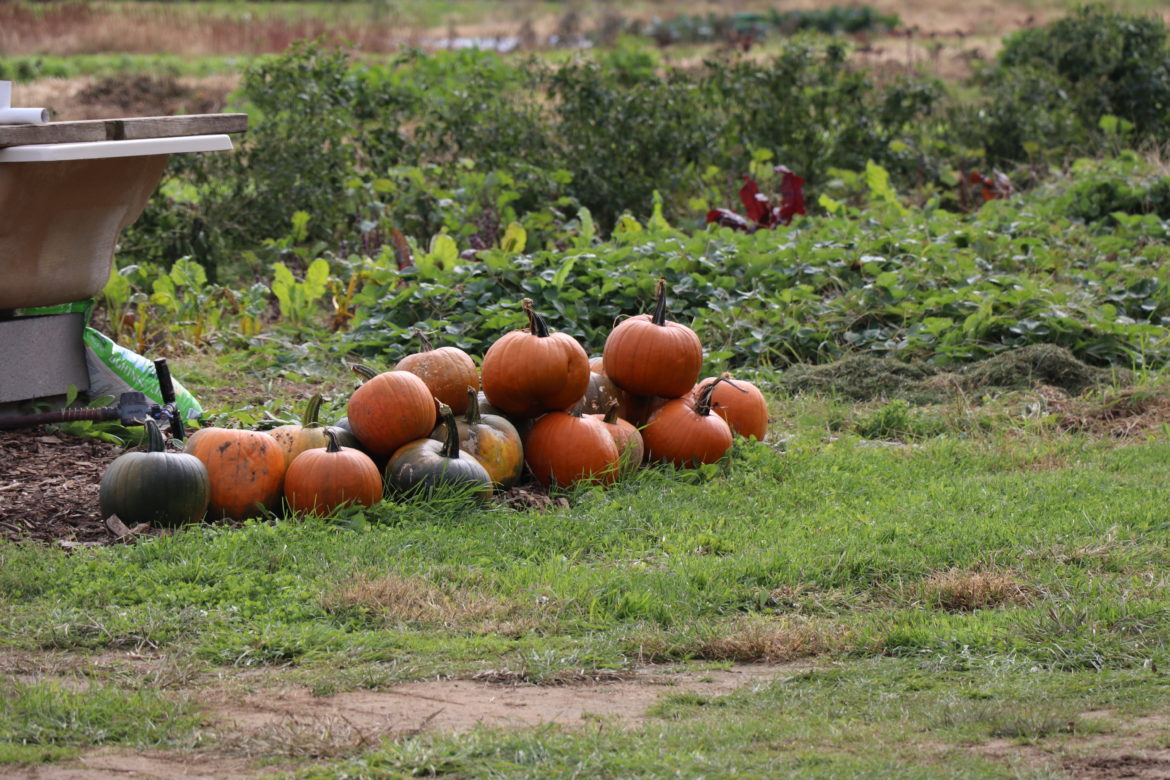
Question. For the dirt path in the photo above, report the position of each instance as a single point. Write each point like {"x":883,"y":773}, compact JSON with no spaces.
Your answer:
{"x":253,"y":722}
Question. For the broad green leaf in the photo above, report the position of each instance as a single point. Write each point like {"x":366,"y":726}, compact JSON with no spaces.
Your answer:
{"x":515,"y":238}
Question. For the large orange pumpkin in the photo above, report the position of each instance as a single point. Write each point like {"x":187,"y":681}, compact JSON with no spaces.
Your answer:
{"x":529,"y":372}
{"x":566,"y":448}
{"x":246,"y":469}
{"x":389,"y":410}
{"x":321,"y":480}
{"x":741,"y":404}
{"x":447,"y":371}
{"x":685,"y":432}
{"x":650,"y":355}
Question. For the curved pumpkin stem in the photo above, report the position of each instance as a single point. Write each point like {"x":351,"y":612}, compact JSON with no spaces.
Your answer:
{"x":659,"y":316}
{"x":472,"y":416}
{"x":536,"y":323}
{"x":312,"y":410}
{"x":424,"y":341}
{"x":334,"y":445}
{"x":451,"y":445}
{"x":154,"y":438}
{"x":611,"y":413}
{"x":365,"y":372}
{"x":702,"y":405}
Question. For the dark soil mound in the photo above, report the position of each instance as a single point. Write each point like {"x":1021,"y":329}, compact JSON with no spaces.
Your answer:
{"x":147,"y":96}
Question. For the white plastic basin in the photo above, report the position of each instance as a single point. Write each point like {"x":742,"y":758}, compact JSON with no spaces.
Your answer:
{"x":63,"y":206}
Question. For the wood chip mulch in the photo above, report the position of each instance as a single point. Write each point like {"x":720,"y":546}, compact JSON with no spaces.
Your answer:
{"x":49,"y":486}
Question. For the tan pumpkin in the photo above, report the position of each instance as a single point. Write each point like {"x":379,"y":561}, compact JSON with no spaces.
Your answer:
{"x":447,"y":371}
{"x":308,"y":434}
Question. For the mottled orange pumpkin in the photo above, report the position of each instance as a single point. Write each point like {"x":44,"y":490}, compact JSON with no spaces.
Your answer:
{"x":564,"y":449}
{"x":650,"y":355}
{"x":532,"y":371}
{"x":389,"y":410}
{"x":600,"y":393}
{"x":246,"y":470}
{"x":447,"y":371}
{"x":321,"y":480}
{"x":741,"y":404}
{"x":685,"y":432}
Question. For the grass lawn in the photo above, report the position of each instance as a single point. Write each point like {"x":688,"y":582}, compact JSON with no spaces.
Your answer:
{"x":989,"y":599}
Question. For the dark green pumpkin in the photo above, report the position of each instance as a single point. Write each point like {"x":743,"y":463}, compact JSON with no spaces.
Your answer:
{"x":425,"y":464}
{"x":157,"y":487}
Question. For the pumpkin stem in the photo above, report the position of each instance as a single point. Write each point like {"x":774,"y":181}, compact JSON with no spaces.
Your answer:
{"x":472,"y":417}
{"x":365,"y":372}
{"x":422,"y":338}
{"x":703,"y":404}
{"x":451,"y":445}
{"x":334,"y":445}
{"x":659,"y":316}
{"x":611,"y":413}
{"x":726,"y":377}
{"x":154,"y":437}
{"x":312,"y":409}
{"x":535,"y":322}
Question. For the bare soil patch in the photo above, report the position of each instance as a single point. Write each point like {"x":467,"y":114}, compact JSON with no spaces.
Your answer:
{"x":290,"y":723}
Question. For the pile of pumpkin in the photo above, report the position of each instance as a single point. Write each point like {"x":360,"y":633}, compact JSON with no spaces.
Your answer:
{"x":544,"y":405}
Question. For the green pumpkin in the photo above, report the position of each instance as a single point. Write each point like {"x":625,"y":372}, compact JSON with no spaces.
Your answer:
{"x":425,"y":464}
{"x":156,"y":487}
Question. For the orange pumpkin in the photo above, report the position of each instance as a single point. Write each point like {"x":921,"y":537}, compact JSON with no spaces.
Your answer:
{"x":447,"y":371}
{"x":321,"y":480}
{"x":529,"y":372}
{"x":625,"y":436}
{"x":246,"y":469}
{"x":650,"y":355}
{"x":389,"y":410}
{"x":685,"y":432}
{"x":741,"y":404}
{"x":566,"y":448}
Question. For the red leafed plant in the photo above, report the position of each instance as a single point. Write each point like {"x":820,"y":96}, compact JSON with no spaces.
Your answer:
{"x":760,"y":211}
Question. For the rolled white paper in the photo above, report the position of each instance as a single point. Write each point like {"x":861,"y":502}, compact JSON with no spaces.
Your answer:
{"x":24,"y":116}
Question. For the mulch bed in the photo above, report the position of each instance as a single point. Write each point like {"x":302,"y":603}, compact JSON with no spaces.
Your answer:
{"x":49,"y":486}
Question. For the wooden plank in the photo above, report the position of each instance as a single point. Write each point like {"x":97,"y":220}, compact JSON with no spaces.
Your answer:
{"x":122,"y":129}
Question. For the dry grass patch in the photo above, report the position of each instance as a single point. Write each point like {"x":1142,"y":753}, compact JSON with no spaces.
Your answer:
{"x":397,"y":598}
{"x":958,"y":590}
{"x":1126,"y":414}
{"x":770,"y":640}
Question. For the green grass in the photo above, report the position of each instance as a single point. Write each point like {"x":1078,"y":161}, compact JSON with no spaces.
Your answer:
{"x":980,"y":581}
{"x":45,"y":721}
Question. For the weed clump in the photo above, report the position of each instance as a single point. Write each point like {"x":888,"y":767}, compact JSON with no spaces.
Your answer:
{"x":1036,"y":364}
{"x":867,"y":378}
{"x":857,"y":377}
